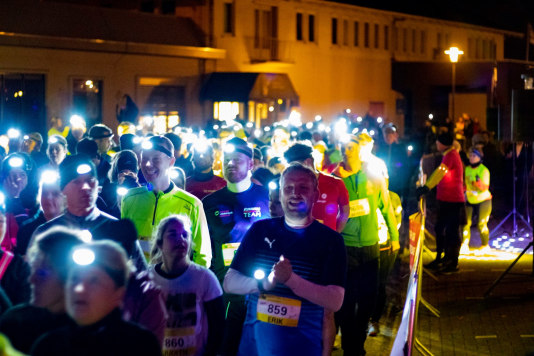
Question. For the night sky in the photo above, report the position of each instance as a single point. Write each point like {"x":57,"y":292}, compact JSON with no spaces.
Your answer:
{"x":509,"y":15}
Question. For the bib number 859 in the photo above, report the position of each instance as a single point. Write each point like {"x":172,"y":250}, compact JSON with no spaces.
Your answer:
{"x":276,"y":309}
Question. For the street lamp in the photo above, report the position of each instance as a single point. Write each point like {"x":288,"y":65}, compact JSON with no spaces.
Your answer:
{"x":453,"y":53}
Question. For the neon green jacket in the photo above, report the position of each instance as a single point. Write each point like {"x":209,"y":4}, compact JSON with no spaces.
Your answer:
{"x":146,"y":210}
{"x":477,"y":191}
{"x":362,"y":230}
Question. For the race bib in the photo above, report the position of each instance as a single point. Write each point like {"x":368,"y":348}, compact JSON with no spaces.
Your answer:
{"x":359,"y":207}
{"x":179,"y":342}
{"x":278,"y":310}
{"x":229,"y":250}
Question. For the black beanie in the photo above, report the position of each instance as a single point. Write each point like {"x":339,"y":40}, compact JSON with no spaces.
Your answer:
{"x":74,"y":166}
{"x":445,"y":139}
{"x":298,"y":152}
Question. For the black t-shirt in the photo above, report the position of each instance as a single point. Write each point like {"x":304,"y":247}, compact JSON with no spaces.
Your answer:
{"x":110,"y":336}
{"x":24,"y":324}
{"x":229,"y":217}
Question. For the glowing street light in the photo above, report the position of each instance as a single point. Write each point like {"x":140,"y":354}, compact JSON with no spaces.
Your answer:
{"x":453,"y":53}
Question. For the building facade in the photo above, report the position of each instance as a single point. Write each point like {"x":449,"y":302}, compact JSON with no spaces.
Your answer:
{"x":312,"y":56}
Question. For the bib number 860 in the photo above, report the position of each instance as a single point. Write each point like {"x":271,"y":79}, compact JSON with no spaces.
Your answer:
{"x":174,"y":343}
{"x":276,"y":309}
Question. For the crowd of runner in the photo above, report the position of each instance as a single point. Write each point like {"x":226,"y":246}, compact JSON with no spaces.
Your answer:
{"x":231,"y":240}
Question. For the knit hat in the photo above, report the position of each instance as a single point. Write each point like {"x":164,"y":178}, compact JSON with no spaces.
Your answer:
{"x":445,"y":139}
{"x":237,"y":144}
{"x":87,"y":147}
{"x":74,"y":166}
{"x":16,"y":160}
{"x":476,"y":152}
{"x":298,"y":152}
{"x":127,"y":160}
{"x":100,"y":131}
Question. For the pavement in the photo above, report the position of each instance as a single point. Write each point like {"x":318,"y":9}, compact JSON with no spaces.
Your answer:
{"x":470,"y":323}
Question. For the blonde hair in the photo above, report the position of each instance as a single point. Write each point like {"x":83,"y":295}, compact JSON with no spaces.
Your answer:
{"x":156,"y":255}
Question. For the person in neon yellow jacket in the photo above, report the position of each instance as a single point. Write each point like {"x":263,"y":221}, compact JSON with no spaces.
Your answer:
{"x":147,"y":206}
{"x":477,"y":180}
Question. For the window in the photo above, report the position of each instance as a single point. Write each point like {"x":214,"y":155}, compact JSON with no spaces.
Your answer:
{"x":22,"y":102}
{"x":345,"y":33}
{"x":377,"y":37}
{"x":386,"y":37}
{"x":229,"y":18}
{"x":470,"y":52}
{"x":87,"y":99}
{"x":366,"y":35}
{"x":478,"y":48}
{"x":166,"y":105}
{"x":300,"y":36}
{"x":485,"y":45}
{"x":356,"y":33}
{"x":404,"y":39}
{"x":334,"y":31}
{"x":168,"y":7}
{"x":311,"y":28}
{"x":423,"y":42}
{"x":414,"y":43}
{"x":439,"y":43}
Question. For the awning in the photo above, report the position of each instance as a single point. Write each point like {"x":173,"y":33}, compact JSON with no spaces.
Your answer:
{"x":242,"y":87}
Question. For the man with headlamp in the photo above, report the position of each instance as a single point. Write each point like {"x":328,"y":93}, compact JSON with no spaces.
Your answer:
{"x":367,"y":193}
{"x":202,"y":181}
{"x":230,"y":212}
{"x":95,"y":289}
{"x":78,"y":183}
{"x":293,"y":269}
{"x":146,"y":206}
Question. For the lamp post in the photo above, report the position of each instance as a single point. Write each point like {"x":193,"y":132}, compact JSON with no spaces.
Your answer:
{"x":453,"y":53}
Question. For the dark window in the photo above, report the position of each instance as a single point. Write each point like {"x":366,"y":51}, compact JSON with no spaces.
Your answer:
{"x":147,"y":6}
{"x":87,"y":99}
{"x":168,"y":7}
{"x":423,"y":41}
{"x":345,"y":33}
{"x":311,"y":28}
{"x":356,"y":33}
{"x":404,"y":39}
{"x":165,"y":99}
{"x":257,"y":29}
{"x":414,"y":40}
{"x":334,"y":31}
{"x":22,"y":102}
{"x":299,"y":27}
{"x":386,"y":37}
{"x":228,"y":18}
{"x":366,"y":35}
{"x":377,"y":36}
{"x":439,"y":40}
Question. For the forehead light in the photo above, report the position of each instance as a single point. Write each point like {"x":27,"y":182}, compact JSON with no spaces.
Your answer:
{"x":273,"y":186}
{"x":147,"y":145}
{"x":259,"y":274}
{"x":229,"y":148}
{"x":83,"y":256}
{"x":83,"y":169}
{"x":15,"y":162}
{"x":2,"y":199}
{"x":13,"y":133}
{"x":121,"y":191}
{"x":52,"y":140}
{"x":49,"y":177}
{"x":173,"y":174}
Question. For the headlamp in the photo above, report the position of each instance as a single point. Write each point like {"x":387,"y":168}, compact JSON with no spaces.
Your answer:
{"x":83,"y":169}
{"x":83,"y":256}
{"x":121,"y":191}
{"x":410,"y":148}
{"x":52,"y":140}
{"x":49,"y":177}
{"x":137,"y":140}
{"x":379,"y":120}
{"x":147,"y":145}
{"x":2,"y":200}
{"x":309,"y":125}
{"x":76,"y":121}
{"x":359,"y":119}
{"x":215,"y":127}
{"x":250,"y":124}
{"x":257,"y":133}
{"x":13,"y":133}
{"x":273,"y":186}
{"x":229,"y":148}
{"x":201,"y":146}
{"x":26,"y":137}
{"x":15,"y":162}
{"x":267,"y":128}
{"x":86,"y":236}
{"x":318,"y":118}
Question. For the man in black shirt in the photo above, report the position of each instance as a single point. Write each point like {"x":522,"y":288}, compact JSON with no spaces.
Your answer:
{"x":230,"y":212}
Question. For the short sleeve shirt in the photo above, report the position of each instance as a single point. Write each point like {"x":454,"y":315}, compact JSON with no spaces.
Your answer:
{"x":186,"y":332}
{"x":451,"y":187}
{"x":318,"y":255}
{"x":332,"y":196}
